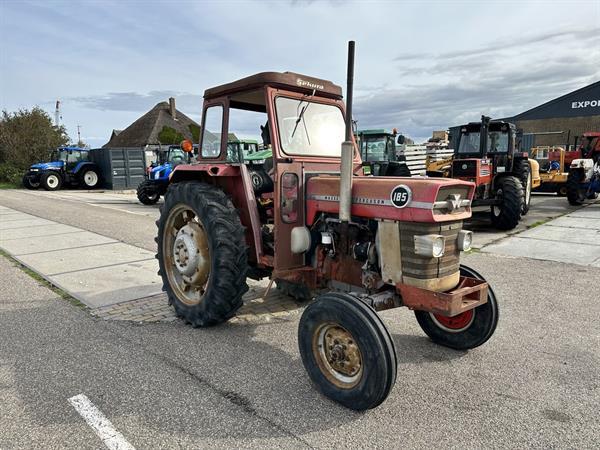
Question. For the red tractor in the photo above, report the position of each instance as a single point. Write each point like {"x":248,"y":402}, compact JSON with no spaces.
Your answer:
{"x":360,"y":244}
{"x":487,"y":154}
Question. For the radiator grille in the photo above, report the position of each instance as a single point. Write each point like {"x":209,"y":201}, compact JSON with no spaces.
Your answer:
{"x":464,"y":168}
{"x":423,"y":267}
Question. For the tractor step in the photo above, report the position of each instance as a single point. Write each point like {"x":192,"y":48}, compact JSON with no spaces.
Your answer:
{"x":469,"y":294}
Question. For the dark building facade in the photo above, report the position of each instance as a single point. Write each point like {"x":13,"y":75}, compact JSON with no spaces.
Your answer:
{"x":563,"y":120}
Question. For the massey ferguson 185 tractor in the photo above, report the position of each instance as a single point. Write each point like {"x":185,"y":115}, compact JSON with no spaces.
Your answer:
{"x":487,"y":154}
{"x":360,"y":244}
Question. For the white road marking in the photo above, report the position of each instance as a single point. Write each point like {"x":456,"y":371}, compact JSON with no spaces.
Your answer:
{"x":99,"y":423}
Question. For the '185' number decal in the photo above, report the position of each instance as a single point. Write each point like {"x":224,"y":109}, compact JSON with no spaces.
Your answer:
{"x":401,"y":196}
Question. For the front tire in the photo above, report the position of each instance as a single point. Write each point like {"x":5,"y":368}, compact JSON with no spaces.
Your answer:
{"x":347,"y":351}
{"x":147,"y":193}
{"x":202,"y":253}
{"x":466,"y":330}
{"x":507,"y":214}
{"x":575,"y":193}
{"x":28,"y":184}
{"x":51,"y":181}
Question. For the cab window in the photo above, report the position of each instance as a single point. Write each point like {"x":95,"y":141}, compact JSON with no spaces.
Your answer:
{"x":211,"y":132}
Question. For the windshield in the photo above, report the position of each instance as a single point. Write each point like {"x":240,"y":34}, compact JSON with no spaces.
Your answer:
{"x":379,"y":148}
{"x":176,"y":156}
{"x":497,"y":142}
{"x":308,"y":128}
{"x":62,"y":155}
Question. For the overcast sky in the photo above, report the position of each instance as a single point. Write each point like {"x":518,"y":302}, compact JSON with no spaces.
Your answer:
{"x":420,"y":65}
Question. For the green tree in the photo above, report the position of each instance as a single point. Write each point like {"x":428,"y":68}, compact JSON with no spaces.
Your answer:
{"x":26,"y":137}
{"x":195,"y":130}
{"x":170,"y":136}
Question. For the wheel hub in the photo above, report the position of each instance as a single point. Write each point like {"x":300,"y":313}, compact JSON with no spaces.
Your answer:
{"x":190,"y":254}
{"x":456,"y":323}
{"x":339,"y":355}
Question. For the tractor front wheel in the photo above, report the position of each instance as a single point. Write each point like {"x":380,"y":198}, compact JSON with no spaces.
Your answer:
{"x":30,"y":184}
{"x":466,"y":330}
{"x":347,"y":351}
{"x":147,"y":192}
{"x":561,"y":190}
{"x":509,"y":194}
{"x":202,"y":253}
{"x":51,"y":181}
{"x":575,"y":192}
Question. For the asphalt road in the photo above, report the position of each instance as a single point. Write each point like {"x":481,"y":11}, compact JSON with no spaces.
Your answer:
{"x":534,"y":384}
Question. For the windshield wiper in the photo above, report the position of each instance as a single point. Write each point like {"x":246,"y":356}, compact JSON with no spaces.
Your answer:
{"x":301,"y":118}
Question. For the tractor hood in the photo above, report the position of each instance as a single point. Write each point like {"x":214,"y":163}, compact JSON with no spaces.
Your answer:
{"x":47,"y":165}
{"x":160,"y":171}
{"x":403,"y":199}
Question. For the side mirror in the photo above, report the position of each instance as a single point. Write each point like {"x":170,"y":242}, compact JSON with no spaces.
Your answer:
{"x":401,"y":139}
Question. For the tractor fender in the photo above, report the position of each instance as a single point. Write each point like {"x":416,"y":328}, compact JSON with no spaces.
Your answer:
{"x":236,"y":182}
{"x":586,"y":166}
{"x":85,"y":164}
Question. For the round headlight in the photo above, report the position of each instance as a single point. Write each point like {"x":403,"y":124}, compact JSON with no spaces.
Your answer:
{"x":437,"y":248}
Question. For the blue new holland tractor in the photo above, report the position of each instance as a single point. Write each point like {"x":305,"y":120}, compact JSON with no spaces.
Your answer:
{"x":157,"y":175}
{"x":67,"y":166}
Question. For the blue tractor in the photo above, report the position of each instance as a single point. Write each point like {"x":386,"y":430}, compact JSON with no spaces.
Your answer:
{"x":69,"y":166}
{"x":157,"y":175}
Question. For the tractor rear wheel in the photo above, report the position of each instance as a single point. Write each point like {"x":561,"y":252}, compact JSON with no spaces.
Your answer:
{"x":561,"y":190}
{"x":347,"y":351}
{"x":89,"y":178}
{"x":509,"y":192}
{"x":147,"y":192}
{"x":202,"y":253}
{"x":575,"y":193}
{"x":466,"y":330}
{"x":522,"y":171}
{"x":51,"y":181}
{"x":29,"y":184}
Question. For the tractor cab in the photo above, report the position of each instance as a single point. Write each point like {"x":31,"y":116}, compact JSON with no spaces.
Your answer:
{"x":485,"y":148}
{"x":378,"y":153}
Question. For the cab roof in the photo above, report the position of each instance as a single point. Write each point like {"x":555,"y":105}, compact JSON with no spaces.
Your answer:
{"x":79,"y":149}
{"x":285,"y":80}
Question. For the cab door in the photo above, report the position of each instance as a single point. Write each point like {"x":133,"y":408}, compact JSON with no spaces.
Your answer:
{"x":289,"y":196}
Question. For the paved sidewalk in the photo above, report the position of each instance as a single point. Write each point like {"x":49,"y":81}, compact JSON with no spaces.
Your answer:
{"x":573,"y":238}
{"x":117,"y":281}
{"x":95,"y":269}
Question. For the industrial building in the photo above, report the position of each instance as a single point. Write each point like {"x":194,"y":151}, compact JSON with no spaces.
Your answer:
{"x":561,"y":121}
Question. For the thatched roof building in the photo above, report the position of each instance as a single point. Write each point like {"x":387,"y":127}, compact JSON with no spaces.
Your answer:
{"x":145,"y":130}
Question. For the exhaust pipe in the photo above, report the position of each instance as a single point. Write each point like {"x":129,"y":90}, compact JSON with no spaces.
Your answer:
{"x":347,"y":145}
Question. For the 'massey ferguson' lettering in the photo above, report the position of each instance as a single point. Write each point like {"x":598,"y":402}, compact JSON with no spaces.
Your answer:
{"x":585,"y":104}
{"x":309,"y":84}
